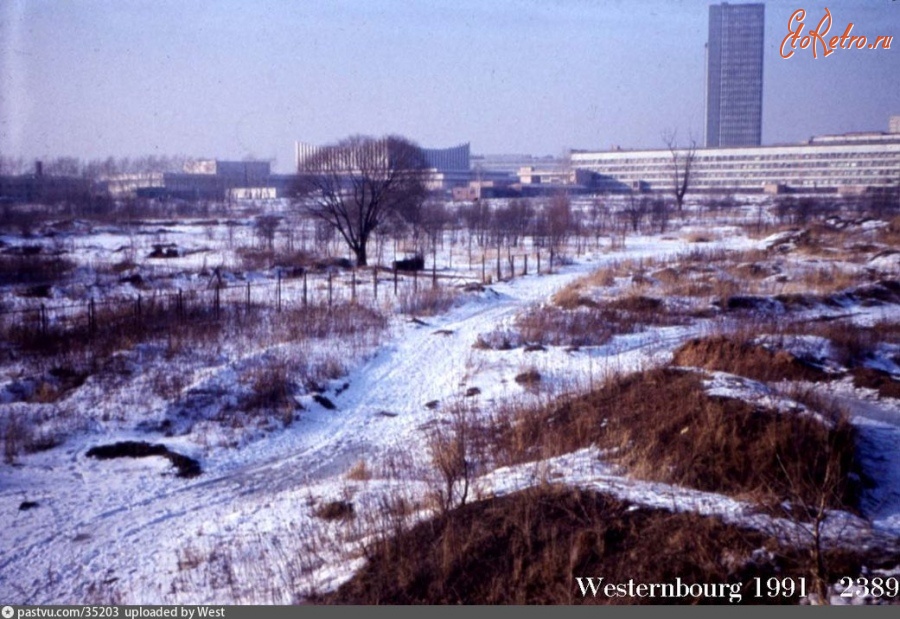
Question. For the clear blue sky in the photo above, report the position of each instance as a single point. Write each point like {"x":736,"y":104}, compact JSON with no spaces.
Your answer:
{"x":230,"y":79}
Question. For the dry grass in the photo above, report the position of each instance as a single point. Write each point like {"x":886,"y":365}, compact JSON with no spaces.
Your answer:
{"x":359,"y":472}
{"x":661,"y":425}
{"x":429,"y":301}
{"x":744,"y":358}
{"x":531,"y":547}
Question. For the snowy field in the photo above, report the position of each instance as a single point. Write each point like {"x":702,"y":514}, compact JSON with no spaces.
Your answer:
{"x":353,"y":409}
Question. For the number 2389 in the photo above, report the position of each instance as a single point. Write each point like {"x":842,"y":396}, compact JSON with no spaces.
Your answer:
{"x":866,"y":587}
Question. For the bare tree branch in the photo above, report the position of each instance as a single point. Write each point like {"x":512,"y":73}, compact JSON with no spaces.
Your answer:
{"x":356,"y":184}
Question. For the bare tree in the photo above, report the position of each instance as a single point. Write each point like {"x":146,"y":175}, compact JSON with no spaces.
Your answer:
{"x":682,"y":162}
{"x":659,"y":212}
{"x":559,"y":220}
{"x":636,"y":210}
{"x":356,"y":184}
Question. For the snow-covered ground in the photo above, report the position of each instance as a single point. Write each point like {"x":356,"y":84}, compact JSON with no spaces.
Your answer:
{"x":246,"y":530}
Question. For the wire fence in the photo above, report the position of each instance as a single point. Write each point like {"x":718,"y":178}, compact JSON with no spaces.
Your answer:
{"x":377,"y":288}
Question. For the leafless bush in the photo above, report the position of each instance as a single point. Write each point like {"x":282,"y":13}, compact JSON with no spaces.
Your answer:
{"x":271,"y":391}
{"x":451,"y":444}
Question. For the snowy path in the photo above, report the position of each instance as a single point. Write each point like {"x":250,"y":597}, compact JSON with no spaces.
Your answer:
{"x":90,"y":524}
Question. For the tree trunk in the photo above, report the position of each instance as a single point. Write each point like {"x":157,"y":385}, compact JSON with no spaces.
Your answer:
{"x":360,"y":252}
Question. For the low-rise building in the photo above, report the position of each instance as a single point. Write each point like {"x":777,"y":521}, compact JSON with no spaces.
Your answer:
{"x":823,"y":164}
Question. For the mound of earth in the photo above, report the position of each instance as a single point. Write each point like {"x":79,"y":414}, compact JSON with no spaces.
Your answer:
{"x":745,"y":359}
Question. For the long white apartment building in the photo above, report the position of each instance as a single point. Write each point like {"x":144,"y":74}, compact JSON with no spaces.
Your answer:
{"x":824,"y":164}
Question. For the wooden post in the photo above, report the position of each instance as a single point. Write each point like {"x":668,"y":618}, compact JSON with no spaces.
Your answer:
{"x":43,"y":317}
{"x":305,"y":300}
{"x":248,"y":296}
{"x":539,"y":262}
{"x":525,"y":269}
{"x":330,"y":290}
{"x":353,"y":285}
{"x":499,"y":273}
{"x":375,"y":283}
{"x":483,"y":273}
{"x":415,"y":280}
{"x":278,"y":291}
{"x":395,"y":279}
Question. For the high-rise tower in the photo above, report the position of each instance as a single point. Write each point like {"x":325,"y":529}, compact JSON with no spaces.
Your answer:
{"x":734,"y":70}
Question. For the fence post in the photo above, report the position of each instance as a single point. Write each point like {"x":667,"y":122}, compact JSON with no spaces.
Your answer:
{"x":512,"y":267}
{"x":330,"y":290}
{"x":216,"y":301}
{"x":395,"y":278}
{"x":180,"y":306}
{"x":92,"y":317}
{"x":375,"y":282}
{"x":525,"y":270}
{"x":305,"y":300}
{"x":353,"y":285}
{"x":278,"y":292}
{"x":550,"y":268}
{"x":483,"y":272}
{"x":248,"y":296}
{"x":138,"y":307}
{"x":499,"y":272}
{"x":415,"y":281}
{"x":43,"y":317}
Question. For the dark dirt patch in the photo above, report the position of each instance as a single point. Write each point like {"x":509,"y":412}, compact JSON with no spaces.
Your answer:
{"x":871,"y":378}
{"x":187,"y":467}
{"x":324,"y":401}
{"x":164,"y":250}
{"x":472,"y":391}
{"x":529,"y":378}
{"x":24,"y":506}
{"x":748,"y":302}
{"x":637,"y":304}
{"x":745,"y":359}
{"x":336,"y":510}
{"x":432,"y":404}
{"x":530,"y":547}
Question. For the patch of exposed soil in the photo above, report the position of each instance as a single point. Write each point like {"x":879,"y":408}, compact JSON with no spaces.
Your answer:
{"x":186,"y":466}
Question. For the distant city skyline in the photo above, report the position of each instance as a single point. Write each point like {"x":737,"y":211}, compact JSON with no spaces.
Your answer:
{"x":232,"y":79}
